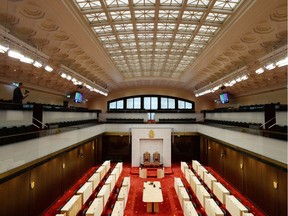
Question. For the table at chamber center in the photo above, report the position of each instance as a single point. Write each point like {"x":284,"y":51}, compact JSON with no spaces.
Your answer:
{"x":152,"y":195}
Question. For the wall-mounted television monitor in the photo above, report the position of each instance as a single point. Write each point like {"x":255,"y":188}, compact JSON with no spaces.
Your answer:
{"x":224,"y":98}
{"x":78,"y":98}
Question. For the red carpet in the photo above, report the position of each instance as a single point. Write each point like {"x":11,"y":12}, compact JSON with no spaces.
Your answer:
{"x":135,"y":206}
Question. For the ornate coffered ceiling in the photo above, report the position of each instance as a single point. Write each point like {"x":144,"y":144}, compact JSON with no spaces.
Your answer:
{"x":122,"y":44}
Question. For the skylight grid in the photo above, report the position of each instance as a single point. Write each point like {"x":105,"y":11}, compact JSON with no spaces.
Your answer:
{"x":208,"y":29}
{"x":144,"y":14}
{"x":216,"y":17}
{"x":84,"y":4}
{"x":198,"y":3}
{"x":136,"y":47}
{"x":120,"y":15}
{"x":166,"y":27}
{"x":116,"y":3}
{"x":96,"y":17}
{"x":192,"y":16}
{"x":168,"y":14}
{"x":226,"y":5}
{"x":124,"y":27}
{"x":145,"y":26}
{"x":102,"y":29}
{"x":187,"y":27}
{"x":171,"y":2}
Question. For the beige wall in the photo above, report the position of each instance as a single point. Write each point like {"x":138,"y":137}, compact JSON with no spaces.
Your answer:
{"x":200,"y":103}
{"x":6,"y":93}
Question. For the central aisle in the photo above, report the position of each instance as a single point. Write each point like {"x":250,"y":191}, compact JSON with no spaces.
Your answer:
{"x":170,"y":205}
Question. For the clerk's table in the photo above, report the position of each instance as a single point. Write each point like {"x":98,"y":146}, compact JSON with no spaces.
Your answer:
{"x":152,"y":195}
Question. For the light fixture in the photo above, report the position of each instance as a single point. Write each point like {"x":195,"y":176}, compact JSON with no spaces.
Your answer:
{"x":237,"y":76}
{"x":3,"y":48}
{"x":259,"y":70}
{"x":48,"y":68}
{"x":15,"y":54}
{"x":270,"y":66}
{"x":282,"y":62}
{"x":77,"y":79}
{"x":26,"y":59}
{"x":37,"y":64}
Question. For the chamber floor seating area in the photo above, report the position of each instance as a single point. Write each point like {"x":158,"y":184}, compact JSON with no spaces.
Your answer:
{"x":101,"y":190}
{"x":205,"y":190}
{"x":134,"y":203}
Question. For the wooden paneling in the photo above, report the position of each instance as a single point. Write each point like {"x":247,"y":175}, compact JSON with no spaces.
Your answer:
{"x":254,"y":180}
{"x":117,"y":148}
{"x":233,"y":173}
{"x":281,"y":205}
{"x":47,"y":185}
{"x":14,"y":197}
{"x":215,"y":160}
{"x":185,"y":148}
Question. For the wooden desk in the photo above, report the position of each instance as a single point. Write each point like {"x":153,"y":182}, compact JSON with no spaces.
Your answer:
{"x":194,"y":181}
{"x":123,"y":195}
{"x":234,"y":206}
{"x":183,"y":196}
{"x":195,"y":165}
{"x":104,"y":193}
{"x":212,"y":209}
{"x":95,"y":179}
{"x":184,"y":166}
{"x":152,"y":195}
{"x":209,"y":179}
{"x":118,"y":209}
{"x":177,"y":184}
{"x":102,"y":171}
{"x":201,"y":170}
{"x":96,"y":208}
{"x":202,"y":194}
{"x":111,"y":181}
{"x":189,"y":209}
{"x":85,"y":191}
{"x":188,"y":175}
{"x":73,"y":206}
{"x":220,"y":192}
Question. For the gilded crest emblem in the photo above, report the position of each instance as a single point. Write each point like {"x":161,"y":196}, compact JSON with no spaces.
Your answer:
{"x":151,"y":134}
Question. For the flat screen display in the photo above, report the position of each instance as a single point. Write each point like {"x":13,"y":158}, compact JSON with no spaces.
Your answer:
{"x":78,"y":97}
{"x":224,"y":98}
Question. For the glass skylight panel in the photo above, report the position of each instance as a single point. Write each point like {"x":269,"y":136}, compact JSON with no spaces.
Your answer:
{"x":171,"y":2}
{"x":187,"y":27}
{"x":208,"y":29}
{"x":183,"y":37}
{"x":145,"y":26}
{"x":102,"y":29}
{"x":84,"y":4}
{"x":192,"y":15}
{"x":216,"y":17}
{"x":226,"y":5}
{"x":96,"y":17}
{"x":115,"y":3}
{"x":144,"y":14}
{"x":168,"y":14}
{"x":124,"y":27}
{"x":198,"y":3}
{"x":166,"y":26}
{"x":120,"y":15}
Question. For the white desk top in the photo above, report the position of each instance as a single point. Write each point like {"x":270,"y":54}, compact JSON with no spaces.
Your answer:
{"x":118,"y":209}
{"x":152,"y":192}
{"x":70,"y":203}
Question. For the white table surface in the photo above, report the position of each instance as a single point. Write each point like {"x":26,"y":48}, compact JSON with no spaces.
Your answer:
{"x":151,"y":193}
